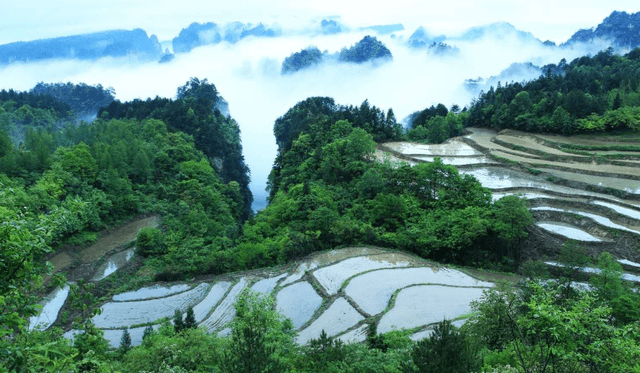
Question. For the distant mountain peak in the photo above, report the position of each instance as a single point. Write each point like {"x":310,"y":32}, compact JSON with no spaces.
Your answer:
{"x":497,"y":29}
{"x":620,"y":28}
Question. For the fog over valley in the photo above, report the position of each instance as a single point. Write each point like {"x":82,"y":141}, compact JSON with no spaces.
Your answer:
{"x":247,"y":74}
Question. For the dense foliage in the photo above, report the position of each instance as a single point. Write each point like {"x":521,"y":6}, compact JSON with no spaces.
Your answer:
{"x":327,"y":190}
{"x":598,"y":93}
{"x":557,"y":326}
{"x":301,"y":60}
{"x":436,"y":124}
{"x":196,"y":112}
{"x":84,"y":100}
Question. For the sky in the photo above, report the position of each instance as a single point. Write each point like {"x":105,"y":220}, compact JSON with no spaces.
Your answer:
{"x":546,"y":19}
{"x":247,"y":74}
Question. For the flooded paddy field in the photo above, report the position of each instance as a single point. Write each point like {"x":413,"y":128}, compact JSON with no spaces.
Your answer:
{"x":428,"y":304}
{"x":339,"y":291}
{"x":51,"y":306}
{"x":628,"y":185}
{"x":568,"y":231}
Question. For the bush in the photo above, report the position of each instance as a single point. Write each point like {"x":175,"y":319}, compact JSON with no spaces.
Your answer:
{"x":149,"y":242}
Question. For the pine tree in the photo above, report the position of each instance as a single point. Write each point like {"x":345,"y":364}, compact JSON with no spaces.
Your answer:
{"x":125,"y":342}
{"x":443,"y":351}
{"x":178,"y":324}
{"x":148,"y":331}
{"x":617,"y":102}
{"x":190,"y":319}
{"x":374,"y":340}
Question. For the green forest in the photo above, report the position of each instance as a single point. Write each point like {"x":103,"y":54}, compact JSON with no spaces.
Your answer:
{"x":591,"y":94}
{"x":64,"y":180}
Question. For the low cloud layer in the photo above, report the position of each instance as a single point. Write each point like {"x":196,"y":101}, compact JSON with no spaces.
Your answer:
{"x":247,"y":74}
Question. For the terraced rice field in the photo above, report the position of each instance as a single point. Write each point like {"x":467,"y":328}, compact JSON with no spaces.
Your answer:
{"x":564,"y":186}
{"x":339,"y":291}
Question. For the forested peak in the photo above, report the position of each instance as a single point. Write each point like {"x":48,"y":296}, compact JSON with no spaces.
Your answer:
{"x":287,"y":128}
{"x":198,"y":90}
{"x":368,"y":48}
{"x":307,"y":57}
{"x":620,"y":28}
{"x":197,"y":111}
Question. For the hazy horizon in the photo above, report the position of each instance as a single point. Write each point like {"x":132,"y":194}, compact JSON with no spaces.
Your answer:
{"x":545,"y":19}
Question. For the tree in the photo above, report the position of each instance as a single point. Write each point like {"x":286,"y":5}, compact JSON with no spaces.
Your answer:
{"x":148,"y":331}
{"x":573,"y":259}
{"x":190,"y":319}
{"x":260,"y":340}
{"x":125,"y":342}
{"x":178,"y":323}
{"x":324,"y":352}
{"x":443,"y":351}
{"x":617,"y":102}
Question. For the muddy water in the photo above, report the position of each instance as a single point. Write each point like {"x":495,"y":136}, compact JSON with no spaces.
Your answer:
{"x":298,"y":302}
{"x":631,"y":186}
{"x":589,"y":140}
{"x":339,"y":317}
{"x":635,"y":214}
{"x":61,"y":261}
{"x":483,"y":137}
{"x":113,"y":263}
{"x":125,"y":314}
{"x":118,"y":237}
{"x":501,"y":178}
{"x":51,"y":306}
{"x":592,"y":167}
{"x":530,"y":143}
{"x":598,"y":218}
{"x":458,"y":161}
{"x":526,"y":195}
{"x":332,"y":277}
{"x":372,"y":291}
{"x":568,"y":231}
{"x":156,"y":291}
{"x":422,"y":305}
{"x":453,"y":147}
{"x":382,"y":156}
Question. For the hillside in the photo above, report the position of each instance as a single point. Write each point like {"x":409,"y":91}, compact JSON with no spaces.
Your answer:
{"x":620,"y":28}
